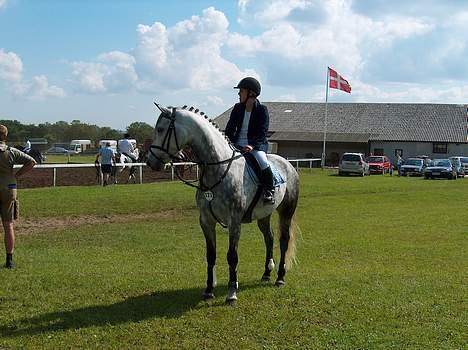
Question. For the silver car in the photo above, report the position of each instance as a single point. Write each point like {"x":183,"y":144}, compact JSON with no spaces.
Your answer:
{"x":463,"y":160}
{"x":353,"y":163}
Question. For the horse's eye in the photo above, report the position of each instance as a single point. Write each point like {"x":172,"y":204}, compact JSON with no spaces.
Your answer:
{"x":159,"y":129}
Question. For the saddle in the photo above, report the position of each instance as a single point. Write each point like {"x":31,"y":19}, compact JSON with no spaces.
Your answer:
{"x":255,"y":173}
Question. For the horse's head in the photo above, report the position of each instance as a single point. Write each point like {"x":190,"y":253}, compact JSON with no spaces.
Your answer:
{"x":169,"y":137}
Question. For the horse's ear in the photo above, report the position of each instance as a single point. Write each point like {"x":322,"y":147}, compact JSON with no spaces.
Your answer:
{"x":163,"y":109}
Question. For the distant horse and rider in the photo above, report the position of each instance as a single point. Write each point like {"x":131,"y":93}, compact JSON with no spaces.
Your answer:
{"x":33,"y":152}
{"x":124,"y":158}
{"x":229,"y":190}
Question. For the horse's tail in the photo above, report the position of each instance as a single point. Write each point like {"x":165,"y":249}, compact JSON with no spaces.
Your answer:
{"x":290,"y":258}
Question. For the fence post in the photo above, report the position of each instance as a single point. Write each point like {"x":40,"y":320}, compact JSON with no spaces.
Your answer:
{"x":55,"y":176}
{"x":141,"y":174}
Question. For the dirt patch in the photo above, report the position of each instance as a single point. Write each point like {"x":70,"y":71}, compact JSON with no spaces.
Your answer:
{"x":49,"y":224}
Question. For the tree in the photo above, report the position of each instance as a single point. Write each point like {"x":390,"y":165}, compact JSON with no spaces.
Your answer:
{"x":140,"y":131}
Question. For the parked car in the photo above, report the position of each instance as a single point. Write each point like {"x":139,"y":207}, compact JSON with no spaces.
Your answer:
{"x":413,"y":166}
{"x":353,"y":163}
{"x":457,"y":164}
{"x":59,"y":150}
{"x":463,"y":160}
{"x":427,"y":159}
{"x":380,"y":165}
{"x":442,"y":168}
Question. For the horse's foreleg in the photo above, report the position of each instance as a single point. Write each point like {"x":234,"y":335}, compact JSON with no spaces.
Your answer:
{"x":232,"y":258}
{"x":264,"y":226}
{"x":209,"y":230}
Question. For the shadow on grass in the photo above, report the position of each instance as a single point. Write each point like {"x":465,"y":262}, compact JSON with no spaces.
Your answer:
{"x":164,"y":304}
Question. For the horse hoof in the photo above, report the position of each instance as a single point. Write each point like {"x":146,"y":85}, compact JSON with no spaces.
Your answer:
{"x":280,"y":284}
{"x":231,"y":301}
{"x":265,"y":278}
{"x":208,"y":296}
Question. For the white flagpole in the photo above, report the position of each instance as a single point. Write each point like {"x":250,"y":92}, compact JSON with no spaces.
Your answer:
{"x":325,"y":122}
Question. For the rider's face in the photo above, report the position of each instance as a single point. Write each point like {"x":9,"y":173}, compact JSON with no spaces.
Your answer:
{"x":243,"y":95}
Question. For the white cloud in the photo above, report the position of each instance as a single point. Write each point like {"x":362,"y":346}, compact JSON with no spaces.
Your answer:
{"x":340,"y":37}
{"x":11,"y":70}
{"x":114,"y":71}
{"x":39,"y":89}
{"x":446,"y":92}
{"x":242,"y":4}
{"x":278,"y":10}
{"x":215,"y":101}
{"x":11,"y":66}
{"x":187,"y":55}
{"x":3,"y":4}
{"x":184,"y":56}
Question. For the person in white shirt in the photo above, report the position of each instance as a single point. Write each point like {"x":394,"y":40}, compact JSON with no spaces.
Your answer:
{"x":27,"y":146}
{"x":127,"y":149}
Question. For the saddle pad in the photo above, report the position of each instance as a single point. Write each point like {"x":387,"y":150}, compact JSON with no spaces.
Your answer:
{"x":277,"y":178}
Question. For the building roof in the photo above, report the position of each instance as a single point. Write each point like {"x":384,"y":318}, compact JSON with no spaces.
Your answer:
{"x":363,"y":122}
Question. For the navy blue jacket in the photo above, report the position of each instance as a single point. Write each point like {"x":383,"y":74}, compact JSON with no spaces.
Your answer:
{"x":258,"y":125}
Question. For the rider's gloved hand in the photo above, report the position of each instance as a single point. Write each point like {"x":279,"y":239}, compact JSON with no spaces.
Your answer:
{"x":246,"y":149}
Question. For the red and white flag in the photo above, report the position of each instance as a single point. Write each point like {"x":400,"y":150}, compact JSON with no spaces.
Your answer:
{"x":338,"y":82}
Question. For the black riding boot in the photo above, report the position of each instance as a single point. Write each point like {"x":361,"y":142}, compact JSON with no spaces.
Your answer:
{"x":268,"y":186}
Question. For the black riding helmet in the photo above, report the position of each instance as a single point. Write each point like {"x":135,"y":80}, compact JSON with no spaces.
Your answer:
{"x":251,"y":84}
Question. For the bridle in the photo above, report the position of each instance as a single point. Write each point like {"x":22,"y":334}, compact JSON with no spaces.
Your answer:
{"x":172,"y":134}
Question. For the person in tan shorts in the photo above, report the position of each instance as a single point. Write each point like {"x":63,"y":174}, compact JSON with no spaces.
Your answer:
{"x":10,"y":156}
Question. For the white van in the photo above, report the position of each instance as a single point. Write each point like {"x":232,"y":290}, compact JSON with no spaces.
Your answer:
{"x":79,"y":146}
{"x":113,"y":144}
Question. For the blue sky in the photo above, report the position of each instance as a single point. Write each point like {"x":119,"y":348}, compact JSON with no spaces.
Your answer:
{"x":105,"y":61}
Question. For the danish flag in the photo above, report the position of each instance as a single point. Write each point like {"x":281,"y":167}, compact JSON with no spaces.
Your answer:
{"x":338,"y":82}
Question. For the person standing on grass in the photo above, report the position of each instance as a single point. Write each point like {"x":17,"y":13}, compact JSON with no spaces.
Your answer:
{"x":400,"y":162}
{"x":107,"y":155}
{"x":10,"y":156}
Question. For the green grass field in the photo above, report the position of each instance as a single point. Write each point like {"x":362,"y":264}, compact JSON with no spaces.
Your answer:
{"x":382,"y":264}
{"x":77,"y":158}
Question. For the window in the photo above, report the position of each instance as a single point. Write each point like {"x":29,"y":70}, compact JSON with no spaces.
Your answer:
{"x":378,"y":151}
{"x":439,"y":147}
{"x":398,"y":151}
{"x":352,"y":157}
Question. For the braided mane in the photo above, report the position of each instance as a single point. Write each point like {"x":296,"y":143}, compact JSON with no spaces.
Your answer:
{"x":210,"y":121}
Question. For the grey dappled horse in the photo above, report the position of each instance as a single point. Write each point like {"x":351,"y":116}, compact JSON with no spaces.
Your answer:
{"x":226,"y":190}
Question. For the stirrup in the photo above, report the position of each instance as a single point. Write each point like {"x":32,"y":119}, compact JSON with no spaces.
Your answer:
{"x":269,"y":196}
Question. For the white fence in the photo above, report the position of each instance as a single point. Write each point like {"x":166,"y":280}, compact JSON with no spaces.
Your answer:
{"x":294,"y":162}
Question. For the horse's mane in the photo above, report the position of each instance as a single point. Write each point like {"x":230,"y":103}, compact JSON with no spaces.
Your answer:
{"x":210,"y":122}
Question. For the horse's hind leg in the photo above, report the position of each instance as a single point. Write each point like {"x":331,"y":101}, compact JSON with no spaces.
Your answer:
{"x":264,"y":226}
{"x":209,"y":230}
{"x":287,"y":236}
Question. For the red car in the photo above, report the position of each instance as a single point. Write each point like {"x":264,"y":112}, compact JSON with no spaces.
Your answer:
{"x":380,"y":165}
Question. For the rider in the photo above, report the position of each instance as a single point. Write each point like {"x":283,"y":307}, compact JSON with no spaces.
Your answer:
{"x":247,"y":128}
{"x":27,"y":146}
{"x":127,"y":149}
